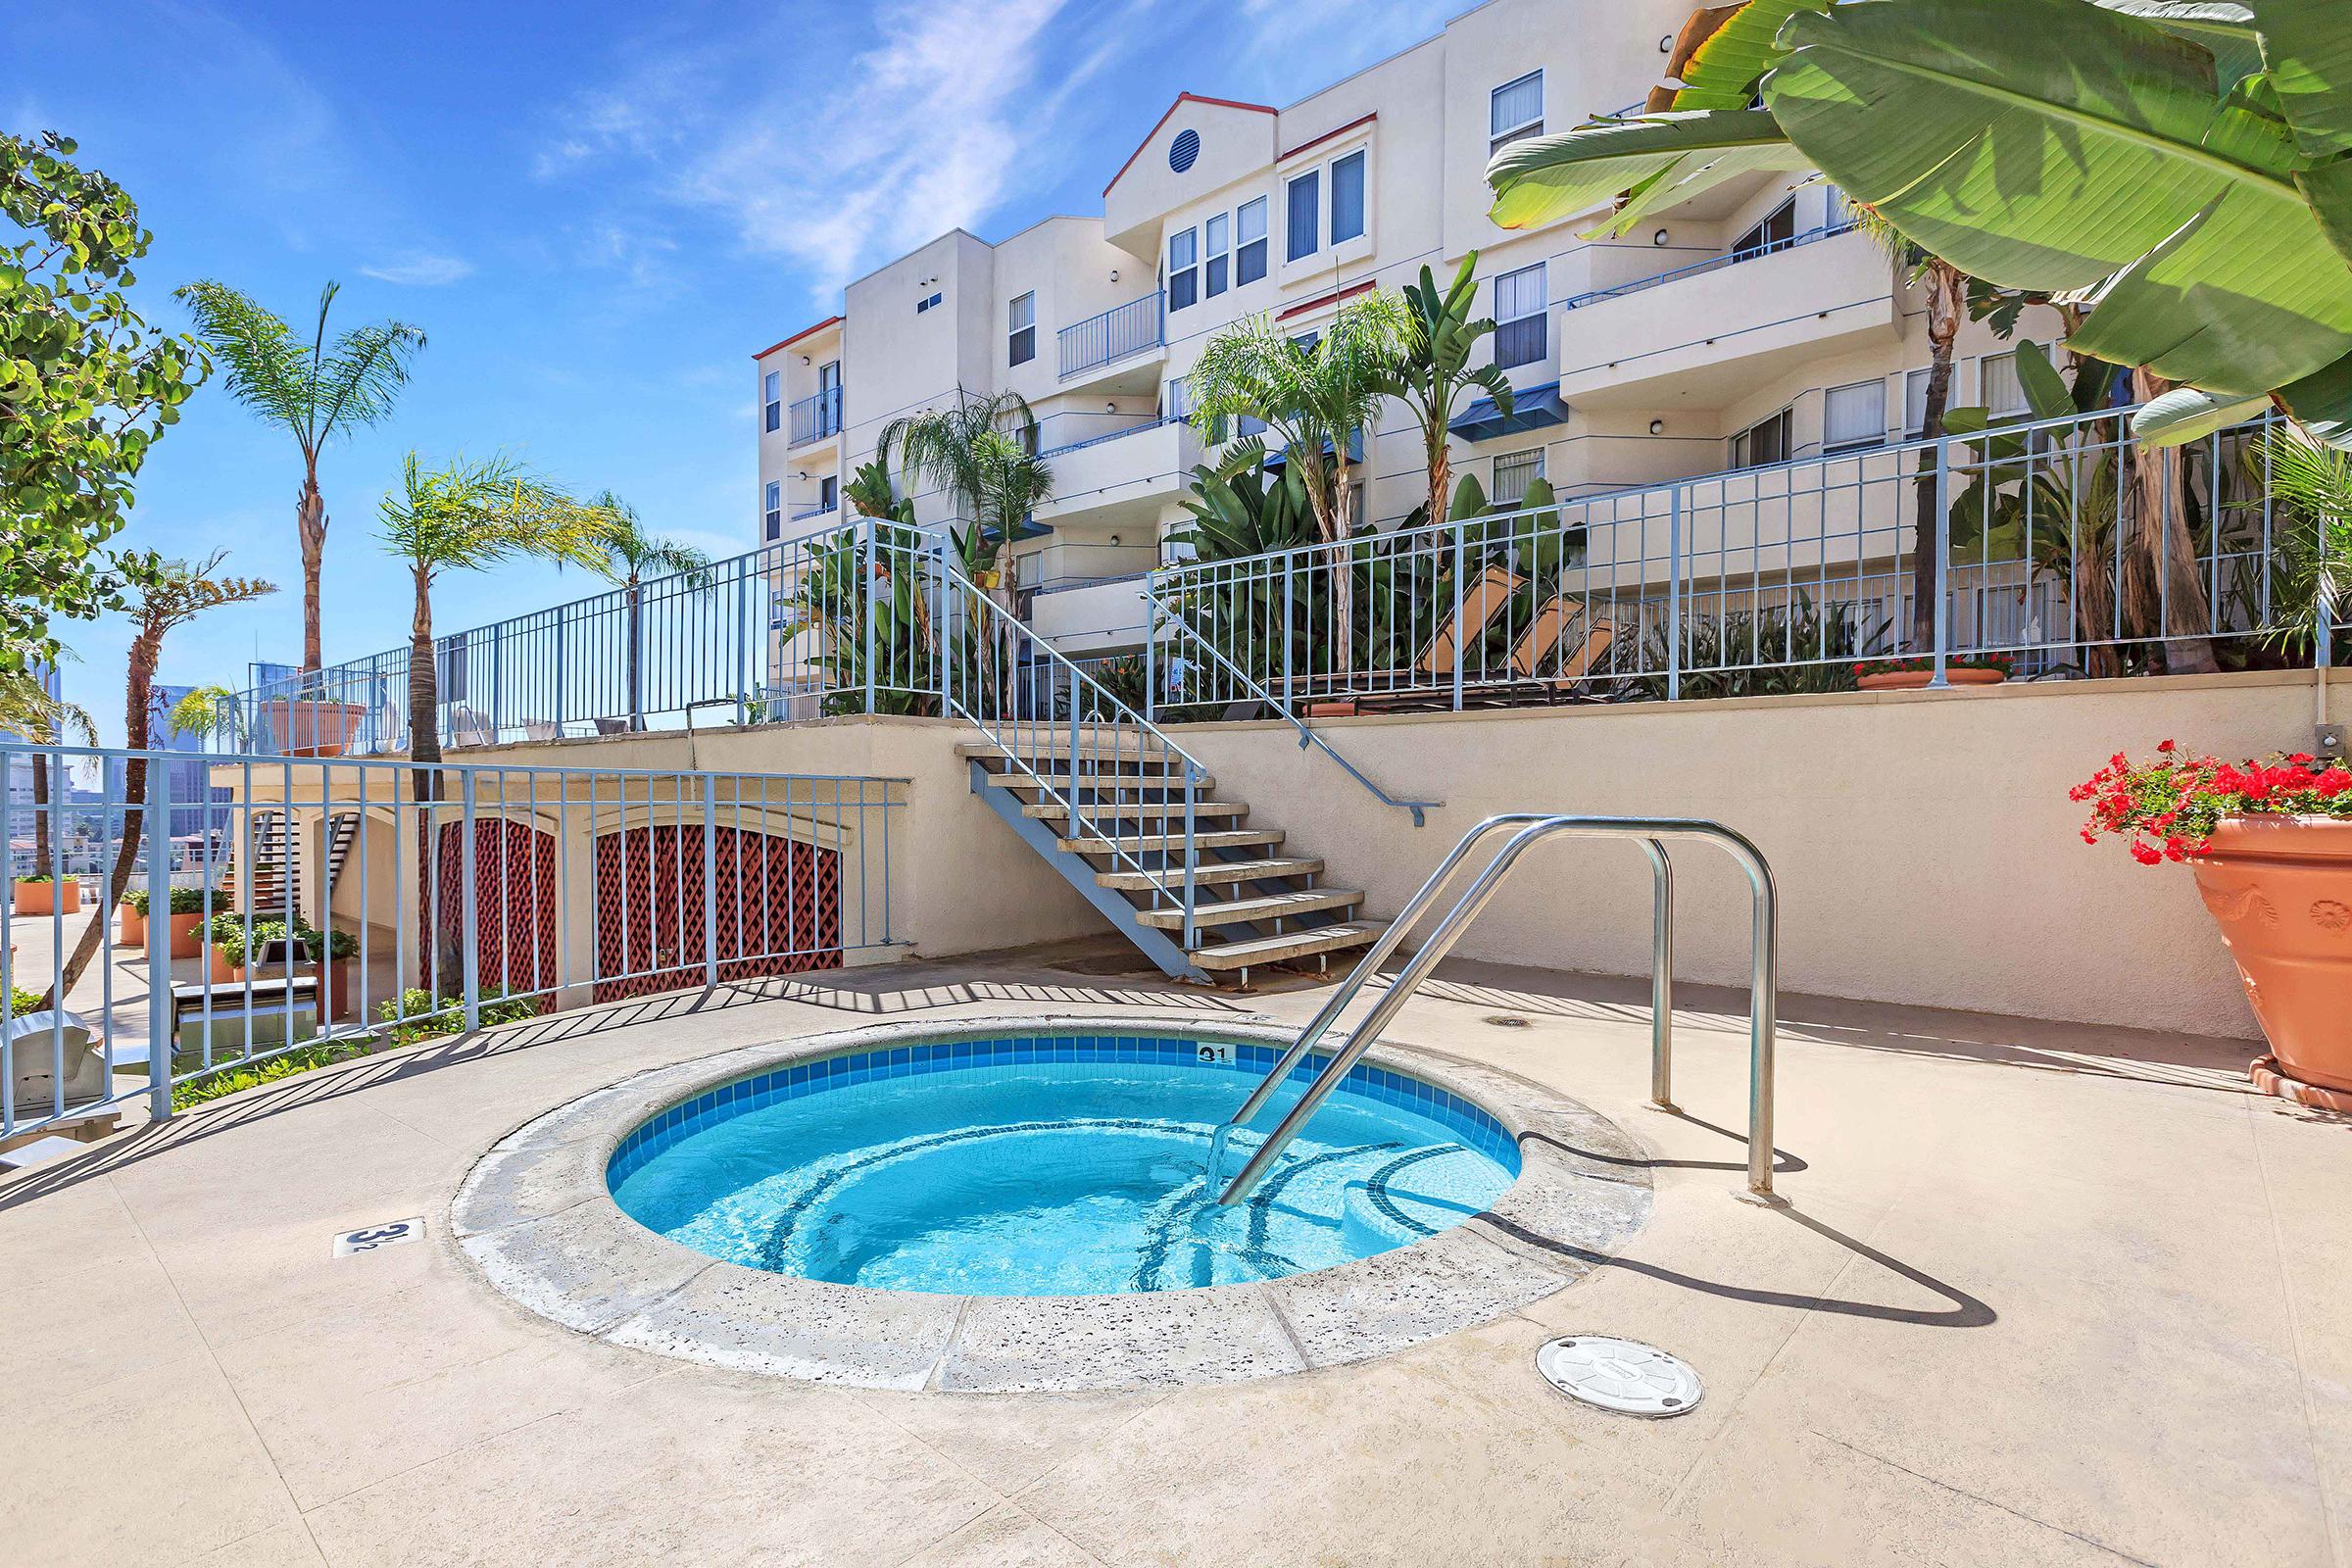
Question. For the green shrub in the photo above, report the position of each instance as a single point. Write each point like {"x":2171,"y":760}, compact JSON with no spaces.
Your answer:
{"x":22,"y":1002}
{"x":191,"y":900}
{"x":420,"y":1015}
{"x":228,"y":932}
{"x":246,"y":1075}
{"x":136,"y":900}
{"x":37,"y":876}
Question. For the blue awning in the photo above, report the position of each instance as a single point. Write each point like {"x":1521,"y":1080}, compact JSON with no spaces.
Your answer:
{"x":1530,"y":410}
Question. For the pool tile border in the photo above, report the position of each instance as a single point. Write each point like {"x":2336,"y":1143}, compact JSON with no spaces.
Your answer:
{"x":536,"y":1218}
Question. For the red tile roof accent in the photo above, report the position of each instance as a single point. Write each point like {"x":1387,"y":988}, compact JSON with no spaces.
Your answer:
{"x":830,"y":320}
{"x":1317,"y":303}
{"x":1317,"y":142}
{"x":1182,"y":99}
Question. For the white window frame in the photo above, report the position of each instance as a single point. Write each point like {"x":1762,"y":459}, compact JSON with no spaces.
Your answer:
{"x":1529,"y":457}
{"x":1190,"y":270}
{"x":1216,"y":255}
{"x":1502,"y":136}
{"x":1020,"y":337}
{"x":1290,"y":211}
{"x":2005,"y":356}
{"x":771,"y":509}
{"x":1915,"y":403}
{"x":1243,"y":244}
{"x":1876,"y":437}
{"x":828,"y":492}
{"x":1539,"y":314}
{"x":771,"y":401}
{"x":1361,"y":157}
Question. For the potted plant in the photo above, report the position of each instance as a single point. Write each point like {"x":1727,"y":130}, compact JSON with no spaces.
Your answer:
{"x":225,"y":934}
{"x":1912,"y":674}
{"x":335,"y":950}
{"x":43,"y":893}
{"x":187,"y":911}
{"x":133,"y":912}
{"x":2270,"y":846}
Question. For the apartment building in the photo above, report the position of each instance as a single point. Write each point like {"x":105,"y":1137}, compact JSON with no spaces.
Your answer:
{"x":1752,"y":326}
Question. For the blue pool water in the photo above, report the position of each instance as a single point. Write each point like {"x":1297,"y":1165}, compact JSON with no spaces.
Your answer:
{"x":1050,"y":1166}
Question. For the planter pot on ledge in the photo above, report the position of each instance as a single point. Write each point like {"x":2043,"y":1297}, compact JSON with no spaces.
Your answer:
{"x":2281,"y":889}
{"x":312,"y":728}
{"x":47,"y":898}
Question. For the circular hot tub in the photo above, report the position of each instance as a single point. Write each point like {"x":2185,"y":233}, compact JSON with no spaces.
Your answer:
{"x":1028,"y":1163}
{"x":1023,"y":1203}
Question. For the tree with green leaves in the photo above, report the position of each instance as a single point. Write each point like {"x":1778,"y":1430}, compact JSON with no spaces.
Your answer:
{"x":630,"y":555}
{"x":2184,"y":164}
{"x":87,"y":389}
{"x":1431,"y":368}
{"x":28,"y":708}
{"x":165,"y":594}
{"x":1314,"y":393}
{"x":978,"y":451}
{"x":312,"y":391}
{"x":468,"y":515}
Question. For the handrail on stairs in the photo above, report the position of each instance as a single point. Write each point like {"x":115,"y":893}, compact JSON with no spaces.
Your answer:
{"x":1535,"y":826}
{"x":1257,"y":689}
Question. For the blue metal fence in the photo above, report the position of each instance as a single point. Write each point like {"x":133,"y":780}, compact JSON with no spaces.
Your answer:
{"x":1104,"y":339}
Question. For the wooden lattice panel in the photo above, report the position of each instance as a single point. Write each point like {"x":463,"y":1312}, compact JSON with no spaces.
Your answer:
{"x":778,"y":908}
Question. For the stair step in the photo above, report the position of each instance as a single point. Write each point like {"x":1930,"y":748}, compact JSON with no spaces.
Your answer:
{"x":1113,"y":785}
{"x":1270,"y":906}
{"x":1290,"y":945}
{"x":1128,"y":811}
{"x":1148,"y":842}
{"x":1031,"y":748}
{"x":1211,"y":873}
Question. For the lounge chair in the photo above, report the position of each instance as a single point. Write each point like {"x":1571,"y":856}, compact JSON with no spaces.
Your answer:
{"x":1533,"y":676}
{"x":1482,"y":602}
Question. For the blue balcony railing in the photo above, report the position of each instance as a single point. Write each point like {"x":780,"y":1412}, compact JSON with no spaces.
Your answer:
{"x":815,"y":418}
{"x":1715,"y":264}
{"x":1129,"y":328}
{"x":1072,"y":429}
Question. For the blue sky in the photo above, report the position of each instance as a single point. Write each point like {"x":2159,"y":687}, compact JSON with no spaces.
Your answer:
{"x":597,"y":213}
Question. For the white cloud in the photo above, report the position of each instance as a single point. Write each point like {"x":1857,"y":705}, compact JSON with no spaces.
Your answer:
{"x":923,"y":132}
{"x":421,"y":270}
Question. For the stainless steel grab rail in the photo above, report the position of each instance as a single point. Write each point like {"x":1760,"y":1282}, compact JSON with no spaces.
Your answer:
{"x":1535,"y":826}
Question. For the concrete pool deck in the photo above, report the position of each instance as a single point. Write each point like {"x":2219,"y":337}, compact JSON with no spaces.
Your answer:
{"x":2043,"y":1294}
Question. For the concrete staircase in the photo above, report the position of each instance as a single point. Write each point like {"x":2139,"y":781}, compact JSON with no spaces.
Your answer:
{"x":1114,"y":827}
{"x":273,"y":860}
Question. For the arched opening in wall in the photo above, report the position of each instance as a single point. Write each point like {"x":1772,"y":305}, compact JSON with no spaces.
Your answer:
{"x":776,"y":902}
{"x":514,"y":904}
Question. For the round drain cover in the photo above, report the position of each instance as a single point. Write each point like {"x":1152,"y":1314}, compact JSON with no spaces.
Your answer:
{"x":1622,"y":1375}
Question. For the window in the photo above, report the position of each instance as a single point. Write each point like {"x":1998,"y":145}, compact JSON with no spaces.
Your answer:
{"x":1305,"y":195}
{"x":1021,"y":347}
{"x":1250,"y":235}
{"x":1514,"y":471}
{"x":1762,"y":444}
{"x":931,"y":302}
{"x":1215,"y":241}
{"x":828,"y":493}
{"x":1184,"y":276}
{"x":771,"y":509}
{"x":772,"y":401}
{"x":1519,"y":311}
{"x":1915,"y":405}
{"x":1998,"y":387}
{"x":1515,"y":109}
{"x":1778,"y":230}
{"x":1853,"y":418}
{"x":1347,"y":197}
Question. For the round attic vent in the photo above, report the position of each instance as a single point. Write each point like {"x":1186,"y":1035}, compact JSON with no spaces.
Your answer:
{"x":1183,"y":150}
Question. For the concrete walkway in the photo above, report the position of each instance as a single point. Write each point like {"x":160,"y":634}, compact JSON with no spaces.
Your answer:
{"x":2043,"y":1296}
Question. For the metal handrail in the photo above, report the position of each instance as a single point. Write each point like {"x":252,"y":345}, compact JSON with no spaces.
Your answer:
{"x":1763,"y":984}
{"x":1307,"y":737}
{"x":1713,"y":264}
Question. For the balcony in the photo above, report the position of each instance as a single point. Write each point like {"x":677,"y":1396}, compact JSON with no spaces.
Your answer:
{"x":1113,"y":465}
{"x":1703,"y":336}
{"x":815,"y":418}
{"x":1119,"y":333}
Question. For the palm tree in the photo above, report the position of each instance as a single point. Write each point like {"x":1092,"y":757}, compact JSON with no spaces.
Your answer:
{"x":963,"y":450}
{"x":1314,"y":393}
{"x":629,"y":555}
{"x":312,"y":391}
{"x":166,"y":594}
{"x":465,"y":517}
{"x":28,"y":709}
{"x":1433,"y":369}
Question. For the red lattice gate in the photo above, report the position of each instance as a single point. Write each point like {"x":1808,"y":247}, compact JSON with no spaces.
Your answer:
{"x":778,"y":908}
{"x":514,"y":906}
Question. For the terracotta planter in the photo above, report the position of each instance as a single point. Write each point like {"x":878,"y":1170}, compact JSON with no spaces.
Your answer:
{"x":184,"y":941}
{"x":2281,"y":889}
{"x":134,"y":926}
{"x":48,"y":897}
{"x":222,"y":972}
{"x":1912,"y":680}
{"x":309,"y":727}
{"x":336,"y":988}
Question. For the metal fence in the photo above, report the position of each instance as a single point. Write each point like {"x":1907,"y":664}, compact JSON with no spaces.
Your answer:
{"x":817,"y":416}
{"x":2054,"y":548}
{"x":354,"y":904}
{"x":1714,"y":264}
{"x":1113,"y":335}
